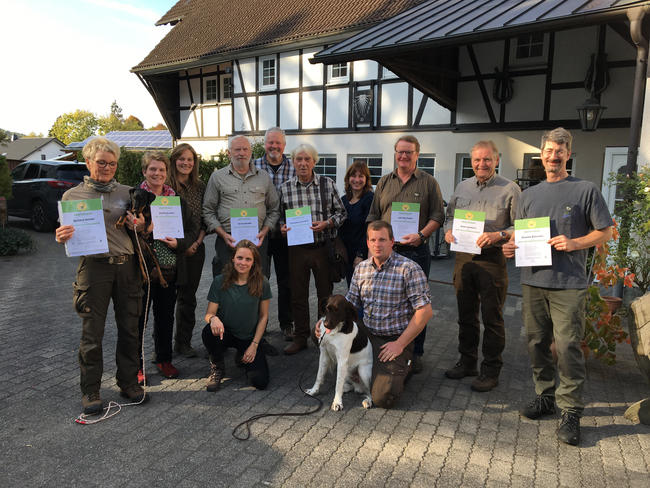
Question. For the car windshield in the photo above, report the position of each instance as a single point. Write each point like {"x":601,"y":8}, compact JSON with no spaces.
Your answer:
{"x":72,"y":172}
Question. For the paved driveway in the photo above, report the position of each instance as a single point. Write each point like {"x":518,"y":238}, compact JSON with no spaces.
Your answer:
{"x":440,"y":434}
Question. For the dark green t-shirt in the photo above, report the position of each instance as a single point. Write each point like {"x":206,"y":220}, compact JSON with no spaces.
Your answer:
{"x":238,"y":310}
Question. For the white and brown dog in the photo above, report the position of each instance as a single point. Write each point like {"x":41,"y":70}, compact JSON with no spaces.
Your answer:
{"x":343,"y":343}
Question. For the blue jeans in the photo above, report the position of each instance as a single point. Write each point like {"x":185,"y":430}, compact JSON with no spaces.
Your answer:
{"x":420,"y":254}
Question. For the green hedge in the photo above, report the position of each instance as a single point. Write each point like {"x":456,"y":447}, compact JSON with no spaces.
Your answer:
{"x":13,"y":240}
{"x":5,"y":178}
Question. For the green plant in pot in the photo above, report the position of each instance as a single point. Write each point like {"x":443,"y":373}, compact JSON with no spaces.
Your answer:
{"x":603,"y":324}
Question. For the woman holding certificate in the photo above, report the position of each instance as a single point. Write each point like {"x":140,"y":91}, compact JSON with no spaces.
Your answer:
{"x":101,"y":277}
{"x":238,"y":309}
{"x":357,"y":201}
{"x":170,"y":252}
{"x":184,"y":179}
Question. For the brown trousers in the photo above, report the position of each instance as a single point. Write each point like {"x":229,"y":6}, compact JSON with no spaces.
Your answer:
{"x":304,"y":260}
{"x":388,"y":377}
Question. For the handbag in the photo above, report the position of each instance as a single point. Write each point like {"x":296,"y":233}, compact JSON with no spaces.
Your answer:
{"x":337,"y":255}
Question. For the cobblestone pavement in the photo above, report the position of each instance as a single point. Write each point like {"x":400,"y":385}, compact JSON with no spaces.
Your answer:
{"x":440,"y":434}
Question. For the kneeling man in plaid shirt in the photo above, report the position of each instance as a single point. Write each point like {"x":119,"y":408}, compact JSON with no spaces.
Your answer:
{"x":394,"y":294}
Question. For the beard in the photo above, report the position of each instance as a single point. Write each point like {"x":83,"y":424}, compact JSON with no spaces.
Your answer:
{"x":555,"y":169}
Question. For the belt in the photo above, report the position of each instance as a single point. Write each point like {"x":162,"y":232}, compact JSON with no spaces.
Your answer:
{"x":112,"y":259}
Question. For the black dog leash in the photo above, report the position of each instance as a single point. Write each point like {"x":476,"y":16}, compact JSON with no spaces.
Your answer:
{"x":247,"y":423}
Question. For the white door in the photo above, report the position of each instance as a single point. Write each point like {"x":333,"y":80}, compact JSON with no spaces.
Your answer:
{"x":615,"y":162}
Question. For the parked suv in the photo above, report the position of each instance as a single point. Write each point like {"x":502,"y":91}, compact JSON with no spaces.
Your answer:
{"x":38,"y":186}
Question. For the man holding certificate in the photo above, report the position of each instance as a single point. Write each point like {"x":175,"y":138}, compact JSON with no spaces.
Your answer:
{"x":112,"y":275}
{"x":410,"y":200}
{"x":308,"y":219}
{"x":480,"y":218}
{"x":233,"y":193}
{"x":554,"y":295}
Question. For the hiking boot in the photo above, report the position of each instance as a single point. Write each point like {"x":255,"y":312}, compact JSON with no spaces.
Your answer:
{"x":167,"y":369}
{"x":540,"y":406}
{"x":416,"y":365}
{"x":185,"y":350}
{"x":92,"y":403}
{"x":287,"y":331}
{"x":135,"y":393}
{"x":295,"y":347}
{"x":460,"y":371}
{"x":569,"y":430}
{"x":484,"y":383}
{"x":215,"y":377}
{"x":141,"y":377}
{"x":268,"y":349}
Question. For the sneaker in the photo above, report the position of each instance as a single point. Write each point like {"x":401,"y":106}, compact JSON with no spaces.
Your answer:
{"x":140,"y":377}
{"x":416,"y":365}
{"x":460,"y":371}
{"x":484,"y":383}
{"x":569,"y":430}
{"x":92,"y":403}
{"x":215,"y":377}
{"x":167,"y":369}
{"x":135,"y":393}
{"x":185,"y":350}
{"x":540,"y":406}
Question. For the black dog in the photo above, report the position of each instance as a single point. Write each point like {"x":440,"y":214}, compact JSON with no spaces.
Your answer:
{"x":141,"y":205}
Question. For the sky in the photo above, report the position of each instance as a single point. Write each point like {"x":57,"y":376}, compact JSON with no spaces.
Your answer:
{"x":60,"y":56}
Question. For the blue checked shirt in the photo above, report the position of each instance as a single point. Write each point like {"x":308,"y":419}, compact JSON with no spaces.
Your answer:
{"x":285,"y":172}
{"x":389,"y":295}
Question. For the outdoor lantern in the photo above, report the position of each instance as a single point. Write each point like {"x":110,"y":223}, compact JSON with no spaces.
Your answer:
{"x":589,"y":113}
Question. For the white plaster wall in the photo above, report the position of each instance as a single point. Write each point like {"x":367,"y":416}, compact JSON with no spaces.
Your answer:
{"x":394,"y":107}
{"x":289,"y":69}
{"x":337,"y":107}
{"x":210,"y":121}
{"x":206,"y":149}
{"x":618,"y":95}
{"x":50,"y":150}
{"x":247,"y":67}
{"x":471,"y":108}
{"x":644,"y":146}
{"x":564,"y":103}
{"x":267,"y":118}
{"x":527,"y":101}
{"x":572,"y":55}
{"x":289,"y":110}
{"x":434,"y":113}
{"x":312,"y":74}
{"x":312,"y":109}
{"x":241,"y":114}
{"x":225,"y":123}
{"x":195,"y":86}
{"x":365,"y":70}
{"x":188,"y":124}
{"x":183,"y":93}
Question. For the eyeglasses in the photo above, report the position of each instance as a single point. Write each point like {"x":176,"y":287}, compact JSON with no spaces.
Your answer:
{"x":404,"y":153}
{"x":558,"y":152}
{"x":103,"y":164}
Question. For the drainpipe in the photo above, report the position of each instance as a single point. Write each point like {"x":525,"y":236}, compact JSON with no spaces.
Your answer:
{"x":635,"y":16}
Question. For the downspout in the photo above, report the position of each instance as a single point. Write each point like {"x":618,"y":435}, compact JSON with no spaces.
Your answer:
{"x":635,"y":16}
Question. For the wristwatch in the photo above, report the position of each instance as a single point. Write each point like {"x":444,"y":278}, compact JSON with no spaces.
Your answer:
{"x":422,"y":236}
{"x":504,"y":235}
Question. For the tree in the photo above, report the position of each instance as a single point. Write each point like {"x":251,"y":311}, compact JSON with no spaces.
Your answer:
{"x":4,"y":137}
{"x":132,"y":123}
{"x":116,"y":110}
{"x":74,"y":126}
{"x":159,"y":126}
{"x":109,"y":123}
{"x":33,"y":134}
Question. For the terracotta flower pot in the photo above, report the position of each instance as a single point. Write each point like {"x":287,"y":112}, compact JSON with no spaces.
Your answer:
{"x":613,"y":303}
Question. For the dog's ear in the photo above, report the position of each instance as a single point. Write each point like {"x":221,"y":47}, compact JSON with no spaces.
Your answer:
{"x":150,"y":198}
{"x":132,"y":191}
{"x":350,"y":317}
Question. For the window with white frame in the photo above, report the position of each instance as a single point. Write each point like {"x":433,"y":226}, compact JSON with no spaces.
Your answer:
{"x":530,"y":45}
{"x":374,"y":163}
{"x":427,"y":163}
{"x":326,"y":166}
{"x":210,"y":90}
{"x":226,"y":87}
{"x":464,"y":167}
{"x":268,"y":72}
{"x":338,"y":73}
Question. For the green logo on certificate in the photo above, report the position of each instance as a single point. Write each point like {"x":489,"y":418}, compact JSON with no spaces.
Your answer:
{"x":242,"y":212}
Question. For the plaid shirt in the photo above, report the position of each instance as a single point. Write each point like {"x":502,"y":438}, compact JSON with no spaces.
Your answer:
{"x":389,"y":295}
{"x":278,"y":177}
{"x":294,"y":194}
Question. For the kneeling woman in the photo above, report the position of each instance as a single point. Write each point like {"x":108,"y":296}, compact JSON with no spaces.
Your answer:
{"x":238,"y":309}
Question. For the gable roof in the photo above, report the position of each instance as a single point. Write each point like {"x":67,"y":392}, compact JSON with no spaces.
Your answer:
{"x":440,"y":23}
{"x":209,"y":28}
{"x":23,"y":147}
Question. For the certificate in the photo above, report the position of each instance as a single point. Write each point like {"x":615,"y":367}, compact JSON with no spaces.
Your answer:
{"x":299,"y":221}
{"x":405,"y":218}
{"x":468,"y":226}
{"x":531,"y":239}
{"x":87,"y":217}
{"x":244,"y":224}
{"x":167,"y":218}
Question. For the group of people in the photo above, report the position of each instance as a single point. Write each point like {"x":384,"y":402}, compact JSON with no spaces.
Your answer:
{"x":387,"y":279}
